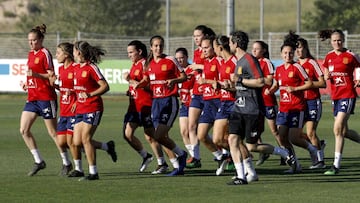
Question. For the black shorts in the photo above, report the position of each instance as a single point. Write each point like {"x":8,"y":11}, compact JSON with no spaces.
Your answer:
{"x":246,"y":126}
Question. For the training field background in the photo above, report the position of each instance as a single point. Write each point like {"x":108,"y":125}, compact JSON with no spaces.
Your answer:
{"x":121,"y":181}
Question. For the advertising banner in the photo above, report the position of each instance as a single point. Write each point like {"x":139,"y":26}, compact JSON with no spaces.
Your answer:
{"x":13,"y":72}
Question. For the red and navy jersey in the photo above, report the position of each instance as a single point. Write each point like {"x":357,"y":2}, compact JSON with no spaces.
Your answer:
{"x":86,"y":80}
{"x":268,"y":69}
{"x":139,"y":97}
{"x":186,"y":87}
{"x":314,"y":71}
{"x":211,"y":72}
{"x":159,"y":72}
{"x":227,"y":68}
{"x":66,"y":87}
{"x":294,"y":75}
{"x":39,"y":88}
{"x":341,"y":68}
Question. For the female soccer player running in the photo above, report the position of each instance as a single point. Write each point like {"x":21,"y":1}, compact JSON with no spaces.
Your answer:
{"x":340,"y":64}
{"x":164,"y":73}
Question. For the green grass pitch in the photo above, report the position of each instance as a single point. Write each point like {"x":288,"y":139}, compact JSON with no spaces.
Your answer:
{"x":121,"y":181}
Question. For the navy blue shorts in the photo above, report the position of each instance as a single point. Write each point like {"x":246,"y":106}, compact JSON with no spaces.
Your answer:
{"x":271,"y":112}
{"x":164,"y":111}
{"x":142,"y":119}
{"x":314,"y":110}
{"x":184,"y":111}
{"x":197,"y":101}
{"x":209,"y":111}
{"x":46,"y":109}
{"x":344,"y":105}
{"x":65,"y":125}
{"x":225,"y":110}
{"x":291,"y":119}
{"x":92,"y":118}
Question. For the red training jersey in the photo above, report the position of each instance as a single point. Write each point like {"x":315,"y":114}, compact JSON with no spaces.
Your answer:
{"x":341,"y":68}
{"x":159,"y":72}
{"x":66,"y":87}
{"x":227,"y":68}
{"x":292,"y":76}
{"x":39,"y":88}
{"x":186,"y":87}
{"x":211,"y":72}
{"x":268,"y":69}
{"x":198,"y":56}
{"x":86,"y":80}
{"x":314,"y":71}
{"x":139,"y":97}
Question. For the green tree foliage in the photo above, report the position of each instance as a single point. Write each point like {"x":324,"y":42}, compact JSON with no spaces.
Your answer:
{"x":344,"y":14}
{"x":122,"y":17}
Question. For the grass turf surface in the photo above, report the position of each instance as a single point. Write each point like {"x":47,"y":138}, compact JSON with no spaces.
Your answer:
{"x":121,"y":181}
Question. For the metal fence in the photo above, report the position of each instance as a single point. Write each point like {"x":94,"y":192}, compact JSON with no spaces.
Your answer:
{"x":15,"y":45}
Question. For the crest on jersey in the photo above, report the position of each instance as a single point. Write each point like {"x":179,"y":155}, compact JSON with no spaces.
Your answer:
{"x":291,"y":74}
{"x":345,"y":60}
{"x":70,"y":75}
{"x":239,"y":70}
{"x":36,"y":61}
{"x":163,"y":67}
{"x":227,"y":70}
{"x":84,"y":74}
{"x":136,"y":72}
{"x":213,"y":68}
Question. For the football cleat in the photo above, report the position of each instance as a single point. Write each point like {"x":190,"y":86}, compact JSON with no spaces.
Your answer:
{"x":37,"y":167}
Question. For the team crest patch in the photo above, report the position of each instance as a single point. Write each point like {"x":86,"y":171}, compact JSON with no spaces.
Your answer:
{"x":239,"y":71}
{"x":70,"y":76}
{"x":136,"y":72}
{"x":227,"y":70}
{"x":307,"y":71}
{"x":84,"y":74}
{"x":345,"y":60}
{"x":213,"y":68}
{"x":291,"y":74}
{"x":36,"y":61}
{"x":163,"y":67}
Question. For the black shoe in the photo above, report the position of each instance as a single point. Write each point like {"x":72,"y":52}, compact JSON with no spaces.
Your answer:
{"x":65,"y":170}
{"x":282,"y":162}
{"x":262,"y":158}
{"x":90,"y":177}
{"x":146,"y":161}
{"x":111,"y":150}
{"x":160,"y":169}
{"x":37,"y":167}
{"x":195,"y":163}
{"x":290,"y":160}
{"x":76,"y":173}
{"x":238,"y":181}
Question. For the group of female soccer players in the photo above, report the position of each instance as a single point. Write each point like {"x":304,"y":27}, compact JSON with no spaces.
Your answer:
{"x":222,"y":82}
